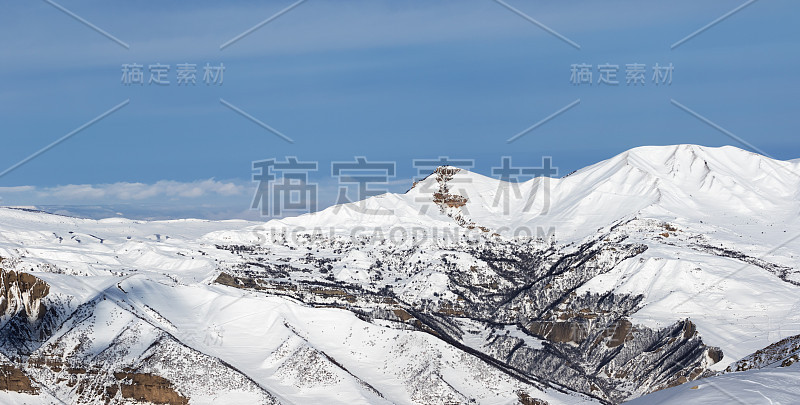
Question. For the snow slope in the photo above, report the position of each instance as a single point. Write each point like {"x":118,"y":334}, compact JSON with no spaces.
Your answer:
{"x":671,"y":232}
{"x":767,"y":386}
{"x":719,"y":200}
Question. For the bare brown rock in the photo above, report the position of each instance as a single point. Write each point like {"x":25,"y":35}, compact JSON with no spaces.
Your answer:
{"x":791,"y":360}
{"x":619,"y":332}
{"x":786,"y":351}
{"x":402,"y":314}
{"x":526,"y":399}
{"x":443,"y":198}
{"x":13,"y":379}
{"x":22,"y":292}
{"x":148,"y":388}
{"x":689,"y":330}
{"x":715,"y":354}
{"x":561,"y":332}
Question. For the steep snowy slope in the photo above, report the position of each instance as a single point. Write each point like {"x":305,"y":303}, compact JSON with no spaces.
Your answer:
{"x":730,"y":236}
{"x":658,"y":267}
{"x":717,"y":223}
{"x":768,"y":386}
{"x":200,"y":344}
{"x":125,"y":311}
{"x":770,"y":376}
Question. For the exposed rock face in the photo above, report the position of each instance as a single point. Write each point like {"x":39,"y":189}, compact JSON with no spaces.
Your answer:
{"x":525,"y":399}
{"x":13,"y":379}
{"x":25,"y":320}
{"x":148,"y":388}
{"x":22,"y":292}
{"x":619,"y":333}
{"x":588,"y":343}
{"x":449,"y":201}
{"x":443,"y":198}
{"x":140,"y":363}
{"x":783,"y":353}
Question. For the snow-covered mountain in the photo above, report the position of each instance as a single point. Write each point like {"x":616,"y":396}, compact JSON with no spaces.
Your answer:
{"x":662,"y":267}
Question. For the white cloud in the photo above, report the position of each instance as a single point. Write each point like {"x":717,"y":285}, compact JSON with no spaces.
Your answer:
{"x":17,"y":189}
{"x":73,"y":192}
{"x":127,"y":192}
{"x":165,"y":199}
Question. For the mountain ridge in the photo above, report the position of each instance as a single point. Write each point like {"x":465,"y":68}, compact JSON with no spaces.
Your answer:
{"x":666,"y":266}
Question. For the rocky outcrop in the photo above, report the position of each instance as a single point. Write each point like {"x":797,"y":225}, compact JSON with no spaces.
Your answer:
{"x":147,"y":388}
{"x":525,"y":399}
{"x":449,"y":202}
{"x":442,"y":197}
{"x":22,"y":292}
{"x":782,"y":353}
{"x":141,"y":363}
{"x":588,"y":343}
{"x":14,"y":379}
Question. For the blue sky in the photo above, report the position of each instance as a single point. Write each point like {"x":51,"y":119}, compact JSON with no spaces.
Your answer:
{"x":389,"y":80}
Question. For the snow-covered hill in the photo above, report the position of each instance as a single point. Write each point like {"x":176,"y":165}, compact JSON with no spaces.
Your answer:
{"x":659,"y":267}
{"x":770,"y":386}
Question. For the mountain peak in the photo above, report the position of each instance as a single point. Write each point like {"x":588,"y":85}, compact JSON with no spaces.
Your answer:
{"x":678,"y":180}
